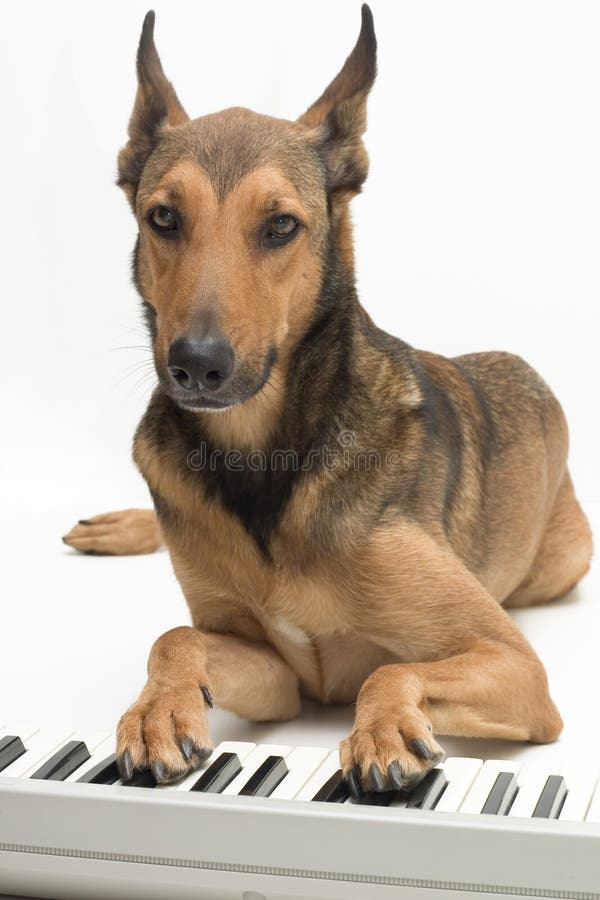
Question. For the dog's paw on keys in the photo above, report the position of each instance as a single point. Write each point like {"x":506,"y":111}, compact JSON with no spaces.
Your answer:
{"x":166,"y":732}
{"x":385,"y":759}
{"x":127,"y":532}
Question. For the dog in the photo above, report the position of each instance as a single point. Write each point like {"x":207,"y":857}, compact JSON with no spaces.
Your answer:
{"x":378,"y":572}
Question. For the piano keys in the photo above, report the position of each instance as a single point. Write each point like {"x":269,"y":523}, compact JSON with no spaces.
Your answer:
{"x":498,"y":787}
{"x":65,"y":777}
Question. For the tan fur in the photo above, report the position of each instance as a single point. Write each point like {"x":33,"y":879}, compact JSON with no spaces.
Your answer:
{"x":123,"y":533}
{"x":397,"y":605}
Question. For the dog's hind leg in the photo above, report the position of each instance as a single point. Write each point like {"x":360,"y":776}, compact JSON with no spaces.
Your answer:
{"x":563,"y":557}
{"x":124,"y":533}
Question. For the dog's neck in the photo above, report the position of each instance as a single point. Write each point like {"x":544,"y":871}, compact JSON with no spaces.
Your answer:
{"x":250,"y":425}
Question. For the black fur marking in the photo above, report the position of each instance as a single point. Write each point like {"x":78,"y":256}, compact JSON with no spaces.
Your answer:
{"x":135,"y":265}
{"x":443,"y":430}
{"x":258,"y":496}
{"x":163,"y":510}
{"x":148,"y":311}
{"x":488,"y":434}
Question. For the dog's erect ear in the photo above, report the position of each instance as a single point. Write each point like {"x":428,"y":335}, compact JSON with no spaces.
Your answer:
{"x":340,"y":113}
{"x":156,"y":106}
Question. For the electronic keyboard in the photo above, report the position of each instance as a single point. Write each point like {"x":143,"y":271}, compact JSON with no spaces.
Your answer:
{"x":268,"y":821}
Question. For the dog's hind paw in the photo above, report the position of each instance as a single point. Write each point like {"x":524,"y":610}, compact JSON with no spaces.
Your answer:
{"x":123,"y":533}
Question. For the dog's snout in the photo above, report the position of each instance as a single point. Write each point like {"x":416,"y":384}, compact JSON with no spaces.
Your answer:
{"x":196,"y":363}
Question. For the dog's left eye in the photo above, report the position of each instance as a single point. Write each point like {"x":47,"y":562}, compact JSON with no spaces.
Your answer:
{"x":282,"y":228}
{"x":163,"y":219}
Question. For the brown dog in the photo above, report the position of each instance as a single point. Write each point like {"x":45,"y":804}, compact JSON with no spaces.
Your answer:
{"x":346,"y":515}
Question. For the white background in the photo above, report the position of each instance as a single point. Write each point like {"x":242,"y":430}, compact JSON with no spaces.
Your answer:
{"x":479,"y":228}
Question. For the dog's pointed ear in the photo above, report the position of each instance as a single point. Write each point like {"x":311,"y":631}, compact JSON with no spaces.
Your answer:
{"x":340,"y":114}
{"x":156,"y":106}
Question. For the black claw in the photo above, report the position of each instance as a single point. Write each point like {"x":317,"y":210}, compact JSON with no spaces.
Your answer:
{"x":202,"y":752}
{"x":126,"y":766}
{"x":187,"y":748}
{"x":395,"y":775}
{"x":354,"y":785}
{"x":422,"y":749}
{"x":207,"y":696}
{"x":377,"y":778}
{"x":84,"y":522}
{"x":158,"y":772}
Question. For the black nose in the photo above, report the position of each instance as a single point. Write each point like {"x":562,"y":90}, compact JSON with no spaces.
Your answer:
{"x":200,"y":362}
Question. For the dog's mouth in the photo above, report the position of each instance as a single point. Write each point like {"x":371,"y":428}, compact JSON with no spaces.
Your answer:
{"x":241,"y":388}
{"x":206,"y":404}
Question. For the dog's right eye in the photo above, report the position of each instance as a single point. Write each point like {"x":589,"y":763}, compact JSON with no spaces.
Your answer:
{"x":164,"y":220}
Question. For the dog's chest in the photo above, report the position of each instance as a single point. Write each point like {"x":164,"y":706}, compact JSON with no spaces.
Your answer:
{"x":330,"y":668}
{"x":290,"y":598}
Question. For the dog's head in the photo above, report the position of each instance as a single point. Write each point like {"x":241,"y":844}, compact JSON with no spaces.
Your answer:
{"x":235,"y":213}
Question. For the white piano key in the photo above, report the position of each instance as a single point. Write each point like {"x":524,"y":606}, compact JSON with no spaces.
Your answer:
{"x":98,"y":752}
{"x":484,"y":782}
{"x":593,"y":813}
{"x":399,"y":801}
{"x":91,"y":739}
{"x":254,"y":759}
{"x":581,"y":781}
{"x":321,"y":776}
{"x":241,"y":748}
{"x":461,"y":772}
{"x":40,"y":748}
{"x":302,"y":763}
{"x":24,"y":733}
{"x":531,"y":779}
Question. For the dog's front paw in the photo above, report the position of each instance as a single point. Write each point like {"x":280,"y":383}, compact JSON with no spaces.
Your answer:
{"x":386,"y":752}
{"x":166,"y":731}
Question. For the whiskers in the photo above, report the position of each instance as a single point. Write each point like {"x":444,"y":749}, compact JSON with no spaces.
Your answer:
{"x":141,"y":376}
{"x":140,"y":371}
{"x":144,"y":375}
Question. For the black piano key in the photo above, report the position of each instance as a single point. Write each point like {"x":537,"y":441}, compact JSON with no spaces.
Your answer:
{"x":502,"y":795}
{"x":335,"y":789}
{"x":64,"y":762}
{"x":219,"y":774}
{"x":377,"y":798}
{"x":104,"y":772}
{"x":551,"y":799}
{"x":11,"y":748}
{"x":141,"y":778}
{"x":428,"y":792}
{"x":266,"y":778}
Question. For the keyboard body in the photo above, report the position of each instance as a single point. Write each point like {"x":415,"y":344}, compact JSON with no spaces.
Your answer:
{"x":72,"y":839}
{"x":84,"y":841}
